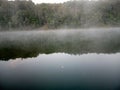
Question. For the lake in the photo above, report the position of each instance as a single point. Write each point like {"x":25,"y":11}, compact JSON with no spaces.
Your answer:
{"x":60,"y":59}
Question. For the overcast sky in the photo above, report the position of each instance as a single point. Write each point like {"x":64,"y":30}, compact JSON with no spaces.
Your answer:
{"x":49,"y":1}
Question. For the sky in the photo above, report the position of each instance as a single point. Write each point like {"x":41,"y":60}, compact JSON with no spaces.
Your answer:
{"x":49,"y":1}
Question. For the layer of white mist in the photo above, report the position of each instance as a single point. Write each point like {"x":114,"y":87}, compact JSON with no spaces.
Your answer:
{"x":49,"y":1}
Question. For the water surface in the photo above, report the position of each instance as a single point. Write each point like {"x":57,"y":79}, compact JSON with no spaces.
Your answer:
{"x":60,"y":60}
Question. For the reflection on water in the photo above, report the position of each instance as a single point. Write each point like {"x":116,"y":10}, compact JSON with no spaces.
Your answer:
{"x":61,"y":71}
{"x":60,"y":60}
{"x":30,"y":44}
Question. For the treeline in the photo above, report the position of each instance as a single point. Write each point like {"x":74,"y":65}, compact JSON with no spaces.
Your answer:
{"x":24,"y":14}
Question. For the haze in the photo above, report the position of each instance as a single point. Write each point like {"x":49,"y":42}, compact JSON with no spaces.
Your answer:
{"x":53,"y":1}
{"x":49,"y":1}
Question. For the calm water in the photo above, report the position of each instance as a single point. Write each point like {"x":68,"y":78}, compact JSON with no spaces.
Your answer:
{"x":60,"y":60}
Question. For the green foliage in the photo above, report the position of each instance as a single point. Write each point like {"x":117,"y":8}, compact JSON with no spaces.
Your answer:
{"x":72,"y":14}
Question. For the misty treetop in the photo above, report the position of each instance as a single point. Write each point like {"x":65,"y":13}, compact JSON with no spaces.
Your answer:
{"x":24,"y":14}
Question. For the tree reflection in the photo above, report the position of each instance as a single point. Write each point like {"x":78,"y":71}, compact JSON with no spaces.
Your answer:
{"x":12,"y":46}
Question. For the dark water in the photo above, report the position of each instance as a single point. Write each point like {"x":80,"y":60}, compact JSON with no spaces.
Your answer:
{"x":60,"y":60}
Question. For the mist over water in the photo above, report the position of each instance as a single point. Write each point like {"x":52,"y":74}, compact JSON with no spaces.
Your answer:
{"x":73,"y":45}
{"x":60,"y":59}
{"x":31,"y":43}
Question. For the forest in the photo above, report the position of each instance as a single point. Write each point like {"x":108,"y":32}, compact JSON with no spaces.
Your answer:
{"x":26,"y":15}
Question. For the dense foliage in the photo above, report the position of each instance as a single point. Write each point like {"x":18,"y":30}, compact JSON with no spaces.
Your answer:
{"x":24,"y":14}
